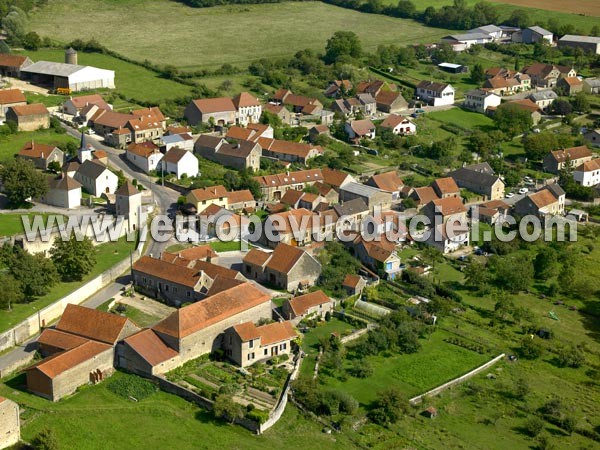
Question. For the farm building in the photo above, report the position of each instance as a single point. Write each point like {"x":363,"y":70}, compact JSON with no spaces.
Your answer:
{"x":588,"y":44}
{"x":453,"y":68}
{"x":11,"y":65}
{"x":68,"y":76}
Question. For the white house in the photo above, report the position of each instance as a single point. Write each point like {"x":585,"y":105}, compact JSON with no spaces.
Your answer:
{"x":96,"y":179}
{"x":448,"y":239}
{"x":588,"y":174}
{"x":180,"y":162}
{"x":248,"y":108}
{"x":436,"y":94}
{"x":399,"y":124}
{"x":493,"y":31}
{"x":480,"y":100}
{"x":145,"y":156}
{"x":543,"y":98}
{"x":358,"y":129}
{"x":63,"y":191}
{"x":184,"y":141}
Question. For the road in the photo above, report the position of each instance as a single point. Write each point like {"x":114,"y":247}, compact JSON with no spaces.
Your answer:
{"x":165,"y":198}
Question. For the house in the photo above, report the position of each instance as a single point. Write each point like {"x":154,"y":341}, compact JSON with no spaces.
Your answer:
{"x":218,"y":195}
{"x":29,"y":117}
{"x":480,"y":100}
{"x":63,"y":191}
{"x":221,"y":111}
{"x":338,"y":88}
{"x":547,"y":75}
{"x":391,"y":102}
{"x":113,"y":126}
{"x":529,"y":106}
{"x":289,"y":151}
{"x":370,"y":87}
{"x":372,"y":196}
{"x":198,"y":329}
{"x":253,"y":132}
{"x":587,"y":173}
{"x":176,"y":279}
{"x":556,"y":160}
{"x":147,"y":124}
{"x":55,"y":75}
{"x":543,"y":98}
{"x":589,"y":44}
{"x":467,"y":40}
{"x":128,"y":205}
{"x":591,"y":85}
{"x":273,"y":187}
{"x":10,"y":98}
{"x":360,"y":129}
{"x":368,"y":105}
{"x":399,"y":125}
{"x":298,"y":103}
{"x":217,"y":221}
{"x":96,"y":179}
{"x":354,"y":284}
{"x":11,"y":65}
{"x":246,"y":343}
{"x":280,"y":111}
{"x":314,"y":305}
{"x":287,"y":267}
{"x":492,"y":211}
{"x":10,"y":423}
{"x":450,"y":209}
{"x":387,"y":182}
{"x":379,"y":255}
{"x":478,"y":181}
{"x":346,"y":106}
{"x":570,"y":85}
{"x":435,"y":94}
{"x":145,"y":156}
{"x":146,"y":354}
{"x":448,"y":239}
{"x":180,"y":162}
{"x":423,"y":195}
{"x":75,"y":105}
{"x":593,"y":137}
{"x":41,"y":155}
{"x":248,"y":108}
{"x":550,"y":200}
{"x":491,"y":30}
{"x":293,"y":227}
{"x":534,"y":34}
{"x":352,"y":212}
{"x":318,"y":130}
{"x":238,"y":155}
{"x":184,"y":141}
{"x":445,"y":187}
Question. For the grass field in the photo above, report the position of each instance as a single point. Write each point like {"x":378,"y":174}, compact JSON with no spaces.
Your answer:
{"x":96,"y":418}
{"x":133,"y":81}
{"x":12,"y":224}
{"x":10,"y":145}
{"x":209,"y":37}
{"x":107,"y":255}
{"x":465,"y":119}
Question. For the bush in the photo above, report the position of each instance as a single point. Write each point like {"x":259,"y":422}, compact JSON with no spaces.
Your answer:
{"x":258,"y":416}
{"x":131,"y":386}
{"x":534,"y":426}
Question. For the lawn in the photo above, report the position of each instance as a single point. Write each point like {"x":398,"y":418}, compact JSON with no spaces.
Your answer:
{"x":464,"y":119}
{"x":12,"y":224}
{"x":107,"y":255}
{"x":96,"y":418}
{"x":11,"y":144}
{"x":140,"y":318}
{"x":186,"y":37}
{"x":132,"y":81}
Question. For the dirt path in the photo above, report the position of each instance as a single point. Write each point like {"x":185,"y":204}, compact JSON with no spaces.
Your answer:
{"x":15,"y":83}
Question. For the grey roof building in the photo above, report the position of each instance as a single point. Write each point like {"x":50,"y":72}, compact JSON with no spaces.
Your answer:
{"x":69,"y":76}
{"x":373,"y":197}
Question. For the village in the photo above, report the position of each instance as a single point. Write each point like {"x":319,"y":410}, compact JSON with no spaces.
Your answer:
{"x":254,"y":326}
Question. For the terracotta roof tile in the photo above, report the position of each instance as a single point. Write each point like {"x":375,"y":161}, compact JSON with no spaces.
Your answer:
{"x":8,"y":60}
{"x":92,"y":324}
{"x":244,"y":99}
{"x":175,"y":273}
{"x":351,"y":281}
{"x":389,"y":181}
{"x":60,"y":340}
{"x":212,"y":105}
{"x":8,"y":96}
{"x":150,"y":347}
{"x":35,"y":150}
{"x":302,"y":303}
{"x":63,"y":361}
{"x":284,"y":257}
{"x":268,"y":334}
{"x":30,"y":110}
{"x":445,"y":185}
{"x":256,"y":257}
{"x":93,"y":99}
{"x":449,"y":205}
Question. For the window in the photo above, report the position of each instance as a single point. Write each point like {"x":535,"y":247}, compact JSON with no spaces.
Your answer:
{"x":266,"y":351}
{"x":166,"y":288}
{"x":189,"y":294}
{"x":250,"y":356}
{"x":251,"y":344}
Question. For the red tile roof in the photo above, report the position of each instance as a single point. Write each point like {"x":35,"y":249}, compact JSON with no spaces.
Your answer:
{"x":63,"y":361}
{"x":93,"y":99}
{"x":92,"y":324}
{"x":35,"y":150}
{"x":449,"y":205}
{"x":289,"y":178}
{"x":256,"y":257}
{"x":389,"y":181}
{"x":209,"y":193}
{"x":8,"y":60}
{"x":30,"y":110}
{"x":175,"y":273}
{"x":302,"y":303}
{"x":284,"y":257}
{"x":244,"y":99}
{"x":150,"y":347}
{"x":60,"y":340}
{"x":268,"y":334}
{"x":212,"y":105}
{"x":445,"y":185}
{"x":351,"y":281}
{"x":8,"y":96}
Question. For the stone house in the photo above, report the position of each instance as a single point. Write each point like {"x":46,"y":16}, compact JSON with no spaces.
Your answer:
{"x":298,"y":103}
{"x":198,"y":329}
{"x":246,"y":343}
{"x":145,"y":156}
{"x":368,"y":105}
{"x":248,"y":108}
{"x":63,"y":191}
{"x":10,"y":423}
{"x":338,"y":88}
{"x":293,"y":227}
{"x":353,"y":212}
{"x":570,"y":85}
{"x":379,"y":255}
{"x":239,"y":155}
{"x":360,"y":129}
{"x":370,"y":87}
{"x":314,"y":304}
{"x":180,"y":162}
{"x":220,"y":110}
{"x":11,"y":65}
{"x":218,"y":195}
{"x":448,"y":239}
{"x":29,"y":117}
{"x":287,"y":267}
{"x":354,"y":284}
{"x":273,"y":187}
{"x":557,"y":160}
{"x":41,"y":154}
{"x":484,"y":183}
{"x":529,"y":106}
{"x":547,"y":75}
{"x":75,"y":105}
{"x":280,"y":111}
{"x":550,"y":200}
{"x":145,"y":354}
{"x":96,"y":179}
{"x":372,"y":196}
{"x":450,"y":209}
{"x":289,"y":151}
{"x":391,"y":102}
{"x":388,"y":182}
{"x":491,"y":211}
{"x":10,"y":98}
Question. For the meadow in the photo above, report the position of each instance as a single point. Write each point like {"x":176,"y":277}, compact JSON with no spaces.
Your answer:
{"x":11,"y":144}
{"x":167,"y":32}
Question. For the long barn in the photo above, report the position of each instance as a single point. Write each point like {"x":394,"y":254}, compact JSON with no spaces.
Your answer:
{"x":72,"y":76}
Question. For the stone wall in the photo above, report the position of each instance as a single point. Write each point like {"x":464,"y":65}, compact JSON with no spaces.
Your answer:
{"x":10,"y":427}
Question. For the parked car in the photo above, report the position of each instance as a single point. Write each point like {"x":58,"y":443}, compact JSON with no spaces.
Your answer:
{"x":523,"y":190}
{"x":510,"y":195}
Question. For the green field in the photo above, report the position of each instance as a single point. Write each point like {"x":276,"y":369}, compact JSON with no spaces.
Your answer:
{"x":11,"y":144}
{"x":209,"y":37}
{"x":96,"y":418}
{"x":465,"y":119}
{"x":107,"y":255}
{"x":132,"y":81}
{"x":12,"y":223}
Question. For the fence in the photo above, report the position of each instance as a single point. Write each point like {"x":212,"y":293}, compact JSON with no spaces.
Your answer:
{"x":34,"y":323}
{"x":435,"y":391}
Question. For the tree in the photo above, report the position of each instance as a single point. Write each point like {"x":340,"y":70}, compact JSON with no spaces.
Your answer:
{"x":571,"y":356}
{"x":22,"y":181}
{"x":36,"y":273}
{"x":545,"y":263}
{"x":519,"y":18}
{"x":226,"y":408}
{"x":580,"y":103}
{"x":11,"y":291}
{"x":512,"y":120}
{"x":54,"y":166}
{"x":74,"y":258}
{"x":476,"y":275}
{"x":534,"y":426}
{"x":32,"y":41}
{"x":530,"y":348}
{"x":342,"y":44}
{"x":45,"y":440}
{"x":477,"y":74}
{"x":14,"y":24}
{"x":390,"y":406}
{"x":561,"y":107}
